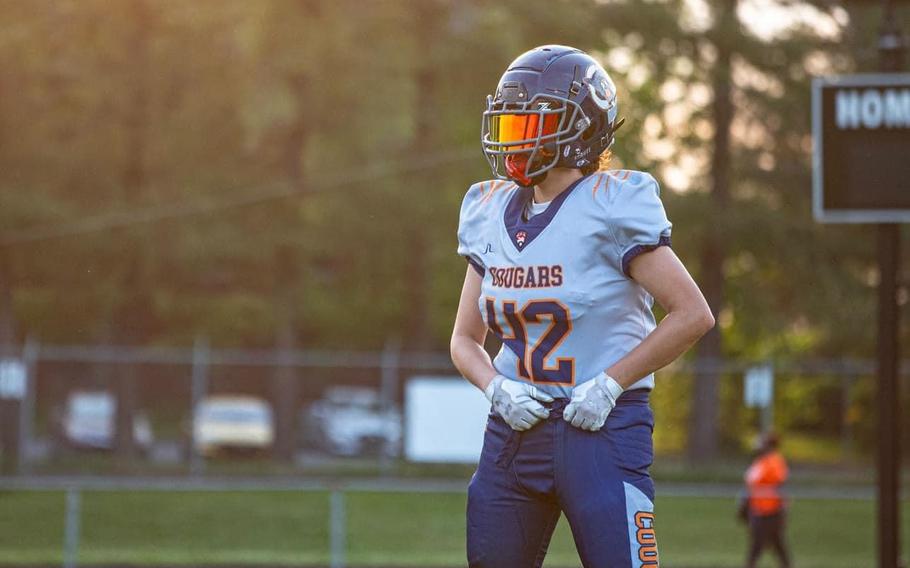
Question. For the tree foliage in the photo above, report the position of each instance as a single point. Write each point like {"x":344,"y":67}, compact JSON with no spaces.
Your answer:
{"x":305,"y":160}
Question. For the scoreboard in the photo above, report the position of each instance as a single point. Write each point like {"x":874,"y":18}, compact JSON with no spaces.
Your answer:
{"x":861,"y":162}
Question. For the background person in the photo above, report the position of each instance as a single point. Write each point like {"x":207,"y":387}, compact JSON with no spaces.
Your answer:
{"x":764,"y":505}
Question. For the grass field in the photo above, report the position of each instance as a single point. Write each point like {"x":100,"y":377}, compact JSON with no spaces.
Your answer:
{"x":403,"y":529}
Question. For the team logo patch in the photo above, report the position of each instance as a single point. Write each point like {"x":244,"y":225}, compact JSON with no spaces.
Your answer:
{"x":521,"y":237}
{"x":599,"y":85}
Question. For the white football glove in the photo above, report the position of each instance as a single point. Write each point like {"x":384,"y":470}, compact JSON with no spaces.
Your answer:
{"x":592,"y":402}
{"x":517,"y":402}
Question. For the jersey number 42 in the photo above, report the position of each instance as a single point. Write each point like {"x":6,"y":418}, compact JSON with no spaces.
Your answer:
{"x":533,"y":360}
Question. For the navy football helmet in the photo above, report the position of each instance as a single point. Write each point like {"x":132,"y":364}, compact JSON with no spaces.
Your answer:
{"x":555,"y":106}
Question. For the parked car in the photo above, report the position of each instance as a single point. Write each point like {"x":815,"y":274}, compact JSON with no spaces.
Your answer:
{"x":89,"y":422}
{"x":353,"y":421}
{"x":233,"y":423}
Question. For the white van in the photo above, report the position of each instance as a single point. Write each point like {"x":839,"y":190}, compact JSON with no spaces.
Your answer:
{"x":89,"y":420}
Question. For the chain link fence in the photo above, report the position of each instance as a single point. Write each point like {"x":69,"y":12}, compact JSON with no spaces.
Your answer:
{"x":110,"y":409}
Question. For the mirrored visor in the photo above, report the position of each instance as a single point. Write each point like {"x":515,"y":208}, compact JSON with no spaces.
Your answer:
{"x":506,"y":128}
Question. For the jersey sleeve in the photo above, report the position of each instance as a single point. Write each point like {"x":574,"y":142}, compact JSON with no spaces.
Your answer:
{"x":637,"y":218}
{"x":470,"y":223}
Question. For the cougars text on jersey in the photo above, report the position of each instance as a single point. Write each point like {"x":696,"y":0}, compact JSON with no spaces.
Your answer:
{"x":526,"y":276}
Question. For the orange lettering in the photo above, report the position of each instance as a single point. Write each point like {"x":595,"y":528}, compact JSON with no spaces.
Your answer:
{"x":647,"y":538}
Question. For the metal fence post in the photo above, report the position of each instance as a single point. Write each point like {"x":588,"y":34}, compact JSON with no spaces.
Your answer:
{"x":388,"y":391}
{"x":768,"y":411}
{"x":337,"y":528}
{"x":846,"y":426}
{"x":27,"y":414}
{"x":71,"y":528}
{"x":198,"y":390}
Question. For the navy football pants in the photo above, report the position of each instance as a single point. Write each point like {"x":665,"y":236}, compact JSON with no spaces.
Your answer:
{"x":598,"y":479}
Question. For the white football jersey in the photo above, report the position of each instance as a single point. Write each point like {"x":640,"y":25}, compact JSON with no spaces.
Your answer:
{"x":556,"y":288}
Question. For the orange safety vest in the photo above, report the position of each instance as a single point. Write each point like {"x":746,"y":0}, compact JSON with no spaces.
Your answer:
{"x":763,"y":480}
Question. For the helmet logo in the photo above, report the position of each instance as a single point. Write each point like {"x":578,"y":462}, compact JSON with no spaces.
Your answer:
{"x":599,"y":86}
{"x":543,"y":105}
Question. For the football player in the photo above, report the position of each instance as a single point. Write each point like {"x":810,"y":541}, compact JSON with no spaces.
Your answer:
{"x":564,"y":260}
